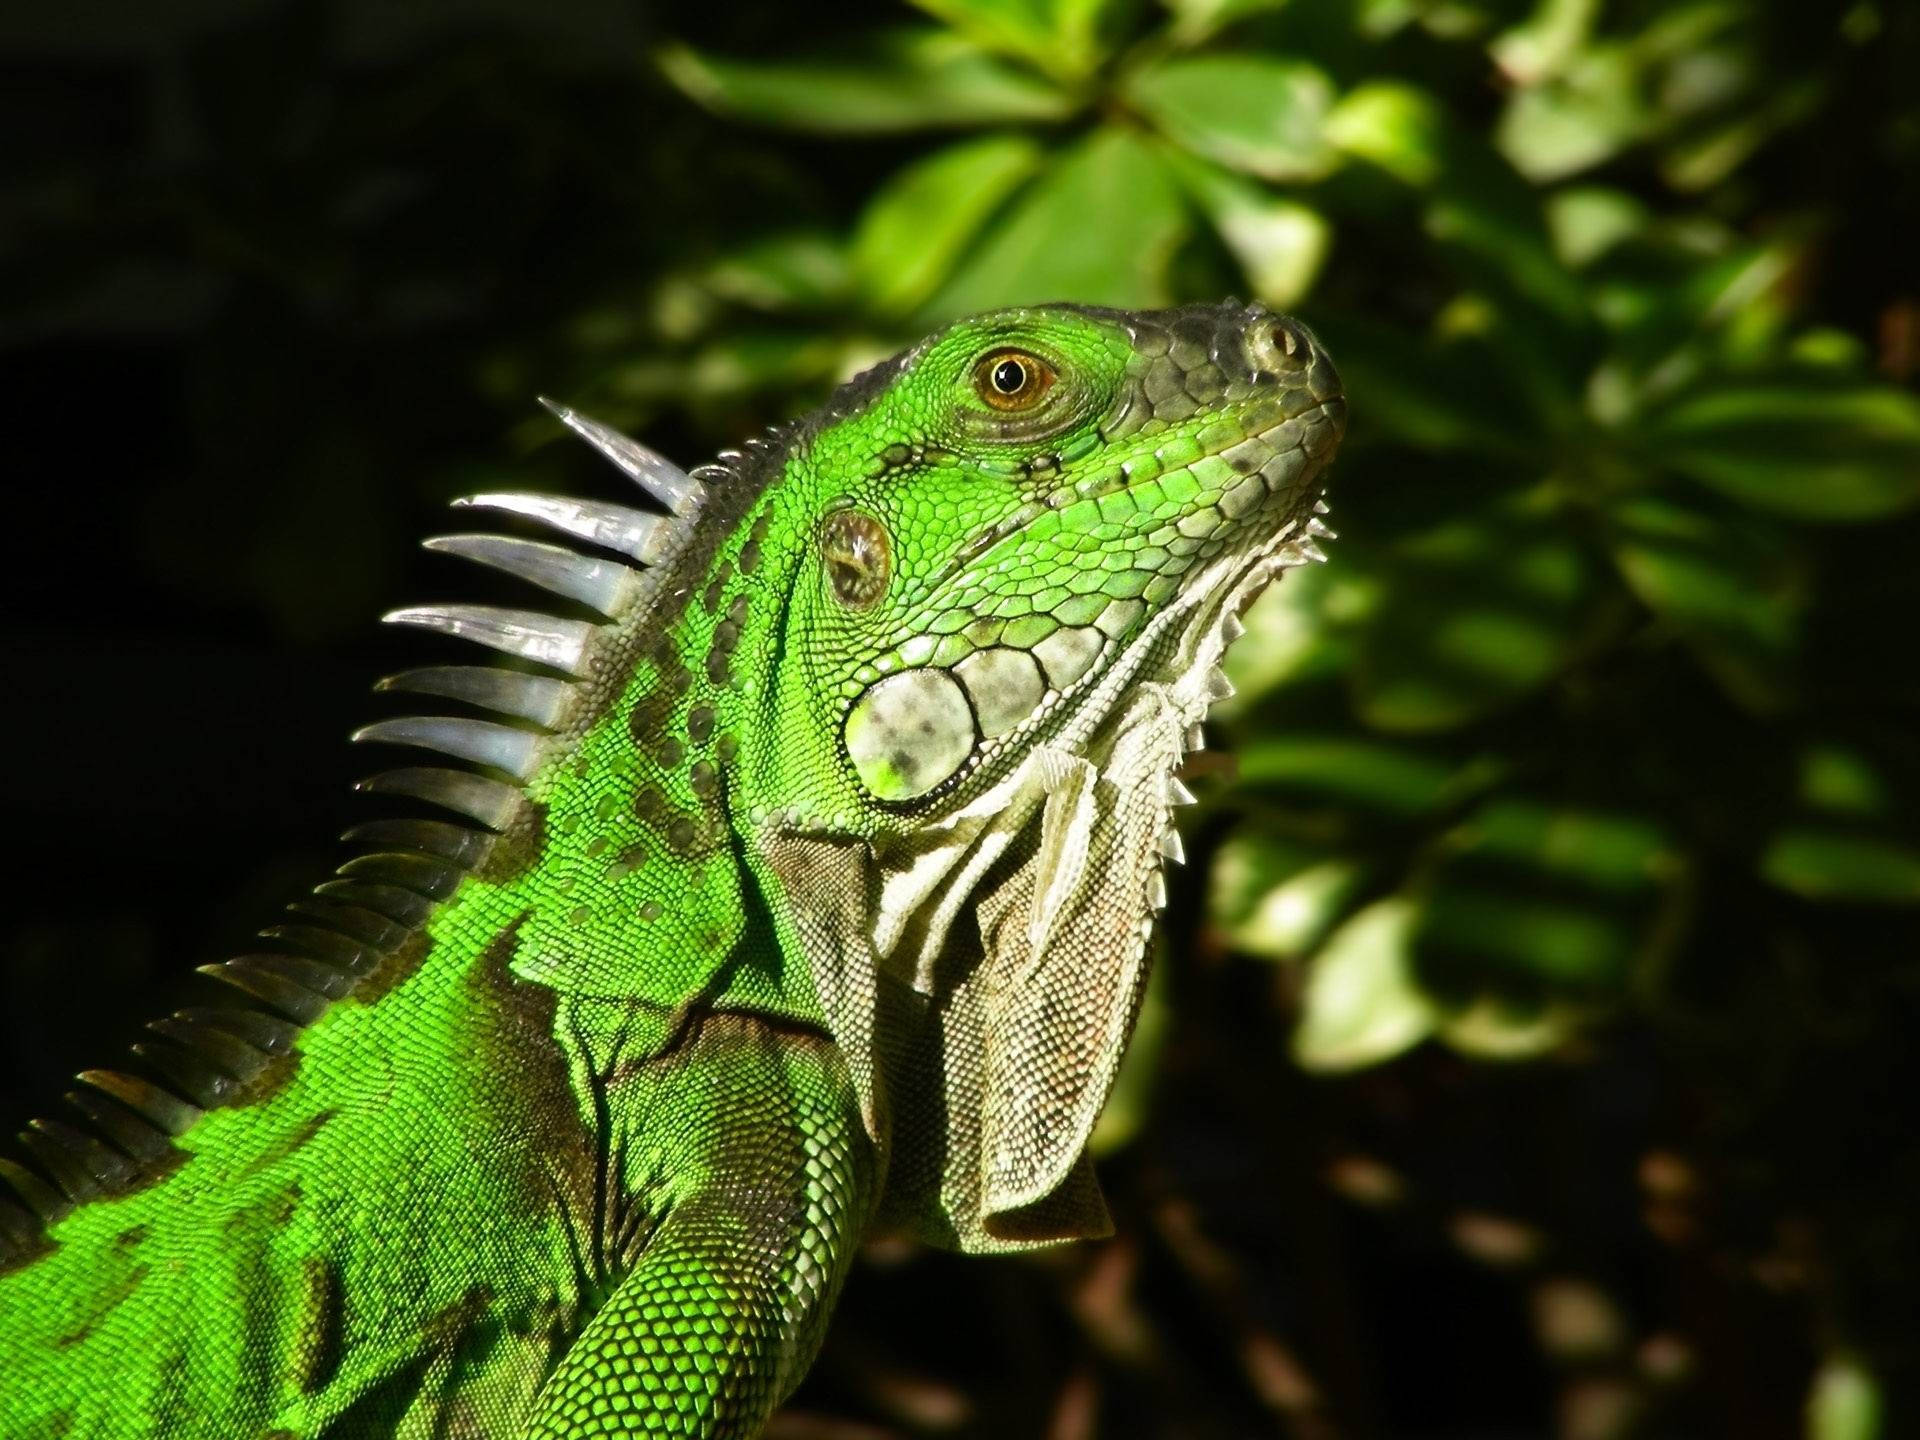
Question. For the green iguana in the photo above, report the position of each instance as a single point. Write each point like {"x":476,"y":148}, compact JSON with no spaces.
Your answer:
{"x":803,"y":889}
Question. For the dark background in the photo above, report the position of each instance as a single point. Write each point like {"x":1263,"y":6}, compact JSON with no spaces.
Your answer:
{"x":278,"y":279}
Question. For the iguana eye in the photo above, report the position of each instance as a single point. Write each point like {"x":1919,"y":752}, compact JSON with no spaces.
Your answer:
{"x":1012,"y":379}
{"x":859,"y":557}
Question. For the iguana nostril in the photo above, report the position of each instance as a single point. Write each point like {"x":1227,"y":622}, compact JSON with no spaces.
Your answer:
{"x":1289,"y":342}
{"x":1274,"y":345}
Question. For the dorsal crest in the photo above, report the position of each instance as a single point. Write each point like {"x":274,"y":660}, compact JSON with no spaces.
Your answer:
{"x":360,"y":930}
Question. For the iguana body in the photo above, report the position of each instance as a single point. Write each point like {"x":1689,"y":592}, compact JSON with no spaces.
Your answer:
{"x":819,"y":900}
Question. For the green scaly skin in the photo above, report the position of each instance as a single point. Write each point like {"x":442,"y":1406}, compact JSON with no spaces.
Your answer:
{"x":824,"y":906}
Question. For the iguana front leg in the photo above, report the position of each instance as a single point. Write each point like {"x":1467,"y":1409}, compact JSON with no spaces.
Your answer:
{"x":744,"y":1144}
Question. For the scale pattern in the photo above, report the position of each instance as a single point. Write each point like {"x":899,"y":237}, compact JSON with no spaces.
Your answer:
{"x":794,"y":877}
{"x":727,"y":1302}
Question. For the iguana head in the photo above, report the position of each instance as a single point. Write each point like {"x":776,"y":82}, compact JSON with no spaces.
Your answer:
{"x":1015,"y":519}
{"x":1014,"y":556}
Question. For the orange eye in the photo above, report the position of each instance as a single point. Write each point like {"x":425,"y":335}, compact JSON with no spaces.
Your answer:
{"x":1012,"y":379}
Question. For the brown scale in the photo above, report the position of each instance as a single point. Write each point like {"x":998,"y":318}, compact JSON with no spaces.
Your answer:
{"x":630,"y":858}
{"x":704,"y":779}
{"x":750,"y":552}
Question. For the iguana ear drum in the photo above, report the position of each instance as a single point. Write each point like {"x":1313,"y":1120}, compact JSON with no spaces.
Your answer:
{"x":859,"y":557}
{"x":910,"y":732}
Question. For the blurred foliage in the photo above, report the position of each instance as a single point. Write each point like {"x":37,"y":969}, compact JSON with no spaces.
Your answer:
{"x":1555,"y":912}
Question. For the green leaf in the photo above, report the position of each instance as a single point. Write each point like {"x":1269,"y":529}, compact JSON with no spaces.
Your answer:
{"x":1279,"y":243}
{"x":1448,"y":393}
{"x":1558,"y":940}
{"x":1842,"y":780}
{"x":1195,"y":21}
{"x":1476,"y":613}
{"x":1537,"y":912}
{"x":1100,"y":226}
{"x":1376,"y":775}
{"x":1256,"y":113}
{"x":1478,"y":207}
{"x":1614,"y":853}
{"x":1809,"y":448}
{"x":1732,"y":585}
{"x":1064,"y":38}
{"x":1580,"y":120}
{"x":1275,"y":897}
{"x":1822,"y":863}
{"x":1492,"y":1029}
{"x":1361,"y":1004}
{"x":916,"y":228}
{"x":894,"y":80}
{"x":790,"y":270}
{"x":753,"y":362}
{"x":1845,"y":1402}
{"x":1589,"y":220}
{"x":1541,"y":46}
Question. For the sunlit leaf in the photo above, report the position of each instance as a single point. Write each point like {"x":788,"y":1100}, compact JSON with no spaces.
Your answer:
{"x":1361,"y":1004}
{"x":1493,"y":1029}
{"x":1610,"y":852}
{"x":755,"y":361}
{"x":1589,"y":220}
{"x":1478,"y":206}
{"x":1823,"y":863}
{"x":1261,"y":114}
{"x":1276,"y":897}
{"x":901,"y":79}
{"x":915,"y":229}
{"x":1100,"y":226}
{"x":1280,"y":243}
{"x":1196,"y":20}
{"x":793,"y":270}
{"x":1706,"y":157}
{"x":1065,"y":38}
{"x":1812,"y":450}
{"x":1540,"y":46}
{"x":1538,"y":912}
{"x":1586,"y":116}
{"x":1845,"y":1402}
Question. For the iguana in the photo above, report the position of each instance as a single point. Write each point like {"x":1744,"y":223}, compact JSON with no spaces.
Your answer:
{"x":801,"y":885}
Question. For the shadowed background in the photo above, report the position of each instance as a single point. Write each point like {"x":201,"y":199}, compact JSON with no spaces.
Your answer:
{"x":1529,"y":1052}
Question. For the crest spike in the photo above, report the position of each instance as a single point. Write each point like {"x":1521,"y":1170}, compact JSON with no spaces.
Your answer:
{"x":603,"y":585}
{"x":481,"y":742}
{"x":544,"y":639}
{"x":634,"y":533}
{"x":539,"y":698}
{"x":484,"y":801}
{"x":647,"y":468}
